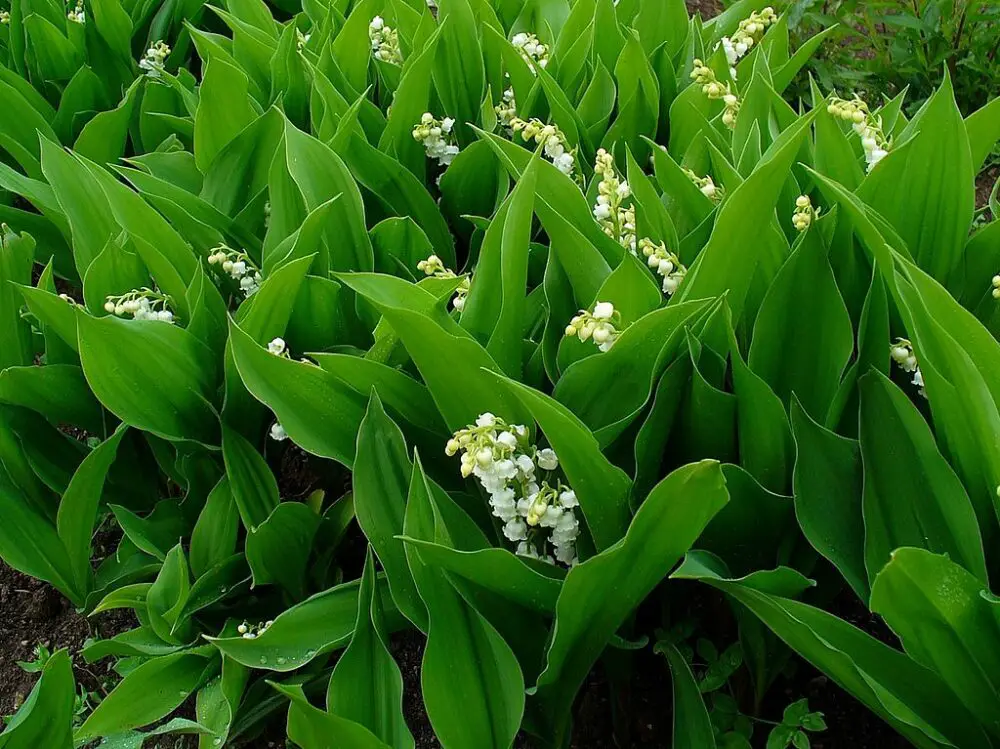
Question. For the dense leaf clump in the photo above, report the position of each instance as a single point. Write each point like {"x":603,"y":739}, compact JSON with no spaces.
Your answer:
{"x":501,"y":321}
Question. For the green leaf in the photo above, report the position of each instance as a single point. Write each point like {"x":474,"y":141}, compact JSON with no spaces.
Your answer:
{"x":46,"y":717}
{"x":724,"y":266}
{"x":102,"y":140}
{"x":311,"y":728}
{"x":600,"y":593}
{"x":366,"y":686}
{"x":381,"y":481}
{"x":827,"y":484}
{"x":224,"y":109}
{"x":934,"y":213}
{"x":472,"y":684}
{"x":278,"y":549}
{"x":318,"y":411}
{"x":58,"y":392}
{"x":914,"y":700}
{"x":153,"y":375}
{"x":251,"y":481}
{"x":459,"y":73}
{"x":150,"y":692}
{"x":947,"y":620}
{"x":309,"y":629}
{"x":16,"y":256}
{"x":785,"y":350}
{"x":912,"y":497}
{"x":692,"y":727}
{"x":983,"y":130}
{"x":78,"y":507}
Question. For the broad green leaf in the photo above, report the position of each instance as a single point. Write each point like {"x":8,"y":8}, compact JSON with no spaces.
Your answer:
{"x":913,"y":699}
{"x":153,"y":375}
{"x":600,"y":593}
{"x":366,"y":686}
{"x":948,"y":621}
{"x":78,"y":507}
{"x":934,"y":213}
{"x":803,"y":353}
{"x":224,"y":109}
{"x":692,"y":727}
{"x":318,"y":411}
{"x":253,"y":486}
{"x":459,"y":73}
{"x":103,"y":139}
{"x":472,"y":684}
{"x":311,"y":728}
{"x":46,"y":716}
{"x":150,"y":692}
{"x":912,"y":497}
{"x":278,"y":549}
{"x":827,"y":485}
{"x":983,"y":130}
{"x":319,"y":624}
{"x":58,"y":392}
{"x":381,"y":481}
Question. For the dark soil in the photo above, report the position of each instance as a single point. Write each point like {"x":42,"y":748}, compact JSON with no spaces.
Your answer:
{"x":707,"y":8}
{"x":34,"y":613}
{"x":984,"y":185}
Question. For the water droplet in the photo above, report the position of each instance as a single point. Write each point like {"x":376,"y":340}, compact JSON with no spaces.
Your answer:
{"x":281,"y":661}
{"x":263,"y":659}
{"x":310,"y":653}
{"x":218,"y":740}
{"x":183,"y":693}
{"x":222,"y":588}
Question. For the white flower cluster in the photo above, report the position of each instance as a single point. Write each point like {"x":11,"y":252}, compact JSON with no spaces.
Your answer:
{"x":301,"y":40}
{"x":141,"y":304}
{"x":239,"y":267}
{"x":556,"y":146}
{"x":704,"y":76}
{"x":76,"y":14}
{"x":664,"y":262}
{"x":433,"y":266}
{"x":708,"y":188}
{"x":902,"y":353}
{"x":748,"y":34}
{"x":385,"y":42}
{"x":435,"y":136}
{"x":804,"y":213}
{"x":4,"y":16}
{"x":253,"y":631}
{"x":868,"y":127}
{"x":154,"y":58}
{"x":532,"y":50}
{"x":507,"y":110}
{"x":615,"y":217}
{"x":508,"y":467}
{"x":598,"y":325}
{"x":996,"y":286}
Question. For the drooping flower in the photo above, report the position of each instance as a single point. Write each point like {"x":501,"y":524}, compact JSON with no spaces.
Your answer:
{"x":141,"y":304}
{"x":804,"y":213}
{"x":437,"y":138}
{"x":278,"y":433}
{"x":555,"y":146}
{"x":532,"y":51}
{"x":597,"y":325}
{"x":708,"y":188}
{"x":613,"y":209}
{"x":385,"y":42}
{"x":77,"y":14}
{"x":902,"y":353}
{"x":153,"y":61}
{"x":506,"y":110}
{"x":713,"y":89}
{"x":538,"y":513}
{"x":746,"y":35}
{"x":874,"y":141}
{"x":238,"y":266}
{"x":665,"y":263}
{"x":433,"y":266}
